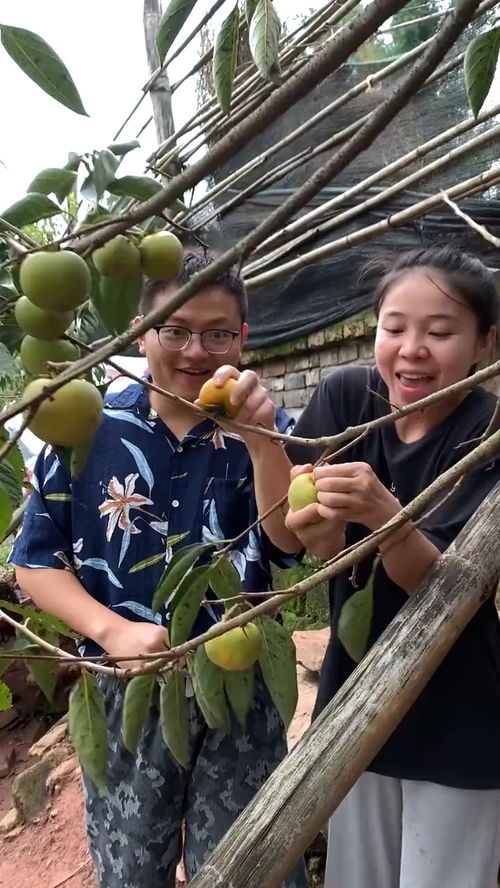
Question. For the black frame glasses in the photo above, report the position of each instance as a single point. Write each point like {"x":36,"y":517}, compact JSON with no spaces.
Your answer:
{"x":204,"y":335}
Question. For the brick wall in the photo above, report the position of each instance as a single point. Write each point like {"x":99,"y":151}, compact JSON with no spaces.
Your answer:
{"x":292,"y":372}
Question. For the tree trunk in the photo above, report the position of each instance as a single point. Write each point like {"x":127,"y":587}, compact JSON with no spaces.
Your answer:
{"x":279,"y":824}
{"x":161,"y":97}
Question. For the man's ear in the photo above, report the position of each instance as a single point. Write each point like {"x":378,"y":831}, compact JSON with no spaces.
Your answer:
{"x":140,"y":339}
{"x":244,"y":334}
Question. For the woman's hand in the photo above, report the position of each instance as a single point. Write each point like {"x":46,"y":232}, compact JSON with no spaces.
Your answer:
{"x":353,"y":491}
{"x":320,"y":529}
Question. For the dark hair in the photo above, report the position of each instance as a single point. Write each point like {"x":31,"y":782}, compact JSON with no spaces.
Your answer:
{"x":193,"y":263}
{"x":466,"y":275}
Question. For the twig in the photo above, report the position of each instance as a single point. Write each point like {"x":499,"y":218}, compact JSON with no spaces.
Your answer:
{"x":11,"y":442}
{"x":481,"y":229}
{"x":23,"y":237}
{"x":45,"y":645}
{"x":71,"y":875}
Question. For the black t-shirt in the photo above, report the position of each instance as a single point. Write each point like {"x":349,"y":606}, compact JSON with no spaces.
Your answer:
{"x":451,"y":735}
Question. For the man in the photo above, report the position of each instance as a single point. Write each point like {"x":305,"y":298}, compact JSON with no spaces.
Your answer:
{"x":94,"y":556}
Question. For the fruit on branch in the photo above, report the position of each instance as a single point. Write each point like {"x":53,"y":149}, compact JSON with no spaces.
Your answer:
{"x":217,"y":398}
{"x":40,"y":323}
{"x":118,"y":259}
{"x":237,"y":649}
{"x":36,"y":352}
{"x":55,"y":280}
{"x":70,"y":416}
{"x":302,"y":492}
{"x":162,"y":255}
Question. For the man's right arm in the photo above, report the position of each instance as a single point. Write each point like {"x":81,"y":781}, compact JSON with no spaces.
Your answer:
{"x":62,"y":594}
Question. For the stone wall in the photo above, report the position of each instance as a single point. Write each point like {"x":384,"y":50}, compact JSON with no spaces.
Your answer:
{"x":292,"y":371}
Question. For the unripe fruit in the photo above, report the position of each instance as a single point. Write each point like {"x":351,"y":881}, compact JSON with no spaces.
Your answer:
{"x":36,"y":352}
{"x":217,"y":398}
{"x":56,"y":281}
{"x":118,"y":259}
{"x":70,"y":416}
{"x":302,"y":492}
{"x":40,"y":323}
{"x":237,"y":649}
{"x":162,"y":255}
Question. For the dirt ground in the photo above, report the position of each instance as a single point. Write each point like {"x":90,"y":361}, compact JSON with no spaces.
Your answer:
{"x":52,"y":851}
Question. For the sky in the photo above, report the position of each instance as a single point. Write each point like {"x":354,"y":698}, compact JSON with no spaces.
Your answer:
{"x":102,"y":44}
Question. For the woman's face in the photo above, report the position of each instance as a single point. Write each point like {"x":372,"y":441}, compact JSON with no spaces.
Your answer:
{"x":426,"y":339}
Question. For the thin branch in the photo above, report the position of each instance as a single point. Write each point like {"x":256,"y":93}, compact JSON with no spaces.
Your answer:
{"x":11,"y":442}
{"x":481,"y":229}
{"x":23,"y":237}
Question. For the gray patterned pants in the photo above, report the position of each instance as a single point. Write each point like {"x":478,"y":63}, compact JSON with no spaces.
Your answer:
{"x":134,"y":831}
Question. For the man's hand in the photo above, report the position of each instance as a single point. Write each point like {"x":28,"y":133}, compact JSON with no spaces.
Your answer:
{"x":135,"y":638}
{"x":256,"y":407}
{"x":320,"y":529}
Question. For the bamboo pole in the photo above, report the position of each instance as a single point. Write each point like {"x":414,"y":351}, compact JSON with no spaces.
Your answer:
{"x":316,"y":69}
{"x":272,"y":833}
{"x":382,"y":197}
{"x":421,"y":208}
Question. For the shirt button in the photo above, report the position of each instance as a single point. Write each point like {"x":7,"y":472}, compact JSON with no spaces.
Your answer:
{"x":175,"y":503}
{"x":180,"y":448}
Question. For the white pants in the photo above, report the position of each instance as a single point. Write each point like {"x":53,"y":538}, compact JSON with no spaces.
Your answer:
{"x":390,"y":833}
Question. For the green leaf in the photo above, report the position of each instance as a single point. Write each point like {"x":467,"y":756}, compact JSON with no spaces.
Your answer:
{"x":73,"y":162}
{"x":277,"y":662}
{"x":249,"y":10}
{"x":181,"y":562}
{"x":7,"y":365}
{"x":88,"y":728}
{"x":45,"y":623}
{"x":79,"y":456}
{"x":16,"y":462}
{"x":54,"y":181}
{"x":147,"y":562}
{"x":136,"y":703}
{"x":356,"y":619}
{"x":5,"y":510}
{"x":481,"y":57}
{"x":30,"y":209}
{"x":172,"y":20}
{"x":123,"y":148}
{"x":45,"y":674}
{"x":10,"y":483}
{"x":174,"y":717}
{"x":190,"y":594}
{"x":20,"y":645}
{"x":139,"y":187}
{"x":102,"y":171}
{"x":240,"y":690}
{"x":39,"y":61}
{"x":117,"y":302}
{"x":5,"y":697}
{"x":264,"y":35}
{"x":225,"y":580}
{"x":208,"y":685}
{"x":225,"y":59}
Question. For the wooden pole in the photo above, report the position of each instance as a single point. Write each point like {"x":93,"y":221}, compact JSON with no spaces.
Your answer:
{"x":278,"y":825}
{"x":161,"y":96}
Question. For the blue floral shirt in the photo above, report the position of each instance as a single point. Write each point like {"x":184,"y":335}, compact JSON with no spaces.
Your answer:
{"x":141,"y":495}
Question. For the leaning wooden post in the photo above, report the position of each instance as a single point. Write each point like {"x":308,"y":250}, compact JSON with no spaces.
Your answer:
{"x":278,"y":825}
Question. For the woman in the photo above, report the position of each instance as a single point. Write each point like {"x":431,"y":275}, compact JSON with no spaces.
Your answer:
{"x":426,"y":814}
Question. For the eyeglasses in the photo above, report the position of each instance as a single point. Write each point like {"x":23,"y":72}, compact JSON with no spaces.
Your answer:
{"x":215,"y":342}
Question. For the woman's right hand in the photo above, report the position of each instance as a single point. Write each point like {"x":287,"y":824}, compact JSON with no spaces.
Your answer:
{"x":131,"y":638}
{"x":320,"y":529}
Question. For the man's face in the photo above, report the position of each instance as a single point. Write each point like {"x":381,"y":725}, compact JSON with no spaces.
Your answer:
{"x":183,"y":372}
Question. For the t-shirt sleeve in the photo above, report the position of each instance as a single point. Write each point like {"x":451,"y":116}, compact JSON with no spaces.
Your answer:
{"x":45,"y":536}
{"x":444,"y":525}
{"x":340,"y":400}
